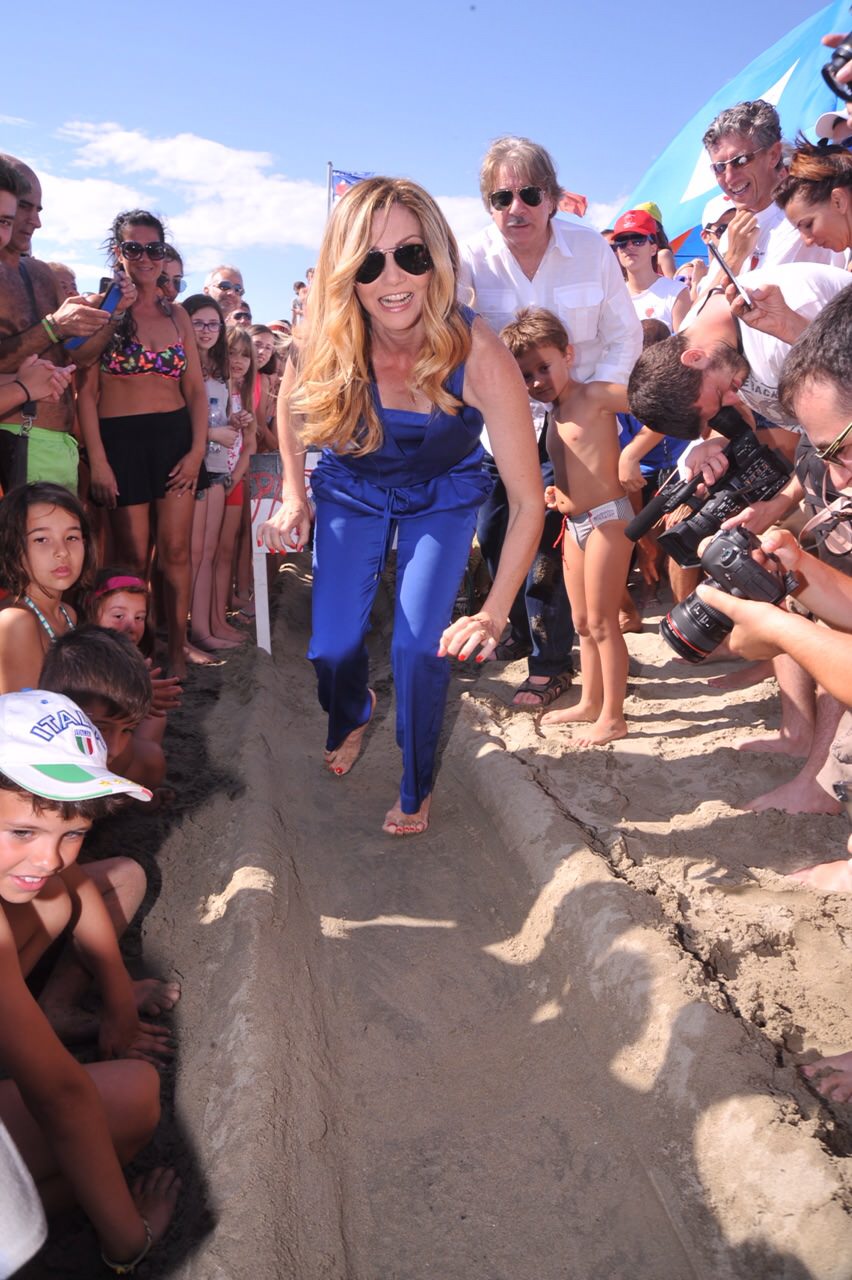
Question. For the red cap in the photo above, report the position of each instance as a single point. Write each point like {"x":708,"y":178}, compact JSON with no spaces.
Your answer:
{"x":636,"y":221}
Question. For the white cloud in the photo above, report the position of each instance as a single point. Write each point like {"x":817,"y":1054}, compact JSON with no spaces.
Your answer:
{"x":80,"y":210}
{"x":602,"y":214}
{"x":14,"y":120}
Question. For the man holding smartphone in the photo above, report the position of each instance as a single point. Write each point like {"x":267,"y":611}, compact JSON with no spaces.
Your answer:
{"x":34,"y":321}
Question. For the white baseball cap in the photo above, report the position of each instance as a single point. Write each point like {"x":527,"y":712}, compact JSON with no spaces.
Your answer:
{"x":50,"y":747}
{"x":827,"y":121}
{"x":716,"y":208}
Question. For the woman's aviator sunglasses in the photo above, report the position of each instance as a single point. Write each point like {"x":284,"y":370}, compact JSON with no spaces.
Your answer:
{"x":413,"y":259}
{"x":132,"y":250}
{"x":178,"y":283}
{"x":619,"y":242}
{"x":503,"y":198}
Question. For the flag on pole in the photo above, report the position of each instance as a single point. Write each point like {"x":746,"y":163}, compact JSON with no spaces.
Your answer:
{"x":343,"y":179}
{"x":788,"y":75}
{"x":570,"y":202}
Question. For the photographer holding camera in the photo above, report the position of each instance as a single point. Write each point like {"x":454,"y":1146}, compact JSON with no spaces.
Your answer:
{"x":817,"y":386}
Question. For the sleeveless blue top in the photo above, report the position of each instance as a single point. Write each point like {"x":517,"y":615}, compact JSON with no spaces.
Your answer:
{"x":426,"y":461}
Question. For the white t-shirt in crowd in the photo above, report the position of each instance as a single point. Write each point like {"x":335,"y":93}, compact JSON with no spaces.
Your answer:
{"x":657,"y":301}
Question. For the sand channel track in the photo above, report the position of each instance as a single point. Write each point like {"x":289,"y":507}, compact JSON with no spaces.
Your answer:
{"x":552,"y":1039}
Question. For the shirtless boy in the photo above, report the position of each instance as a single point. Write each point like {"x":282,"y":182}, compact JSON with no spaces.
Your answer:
{"x":73,"y":1125}
{"x":582,"y":441}
{"x":33,"y":321}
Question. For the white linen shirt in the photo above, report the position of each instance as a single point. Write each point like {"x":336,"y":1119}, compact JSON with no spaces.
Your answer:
{"x":578,"y":279}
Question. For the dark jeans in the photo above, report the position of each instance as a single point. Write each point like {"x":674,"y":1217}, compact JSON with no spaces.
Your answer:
{"x":540,"y":618}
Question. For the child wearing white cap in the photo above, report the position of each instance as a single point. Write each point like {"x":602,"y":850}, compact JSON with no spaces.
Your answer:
{"x":74,"y":1126}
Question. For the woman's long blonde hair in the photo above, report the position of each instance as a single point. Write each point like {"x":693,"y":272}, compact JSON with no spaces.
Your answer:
{"x":333,"y":396}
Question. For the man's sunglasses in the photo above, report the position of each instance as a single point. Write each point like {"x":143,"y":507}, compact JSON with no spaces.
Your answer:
{"x":716,"y":229}
{"x":132,"y":250}
{"x":178,"y":283}
{"x":832,"y":450}
{"x":413,"y":259}
{"x":736,"y":162}
{"x":241,"y":315}
{"x":227,"y":287}
{"x":503,"y":198}
{"x":619,"y":242}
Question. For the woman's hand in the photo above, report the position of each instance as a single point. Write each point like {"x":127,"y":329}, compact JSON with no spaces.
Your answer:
{"x":103,"y":485}
{"x":243,"y":421}
{"x":225,"y":436}
{"x":289,"y":528}
{"x":630,"y":473}
{"x":463,"y":637}
{"x":184,"y":476}
{"x":768,"y":313}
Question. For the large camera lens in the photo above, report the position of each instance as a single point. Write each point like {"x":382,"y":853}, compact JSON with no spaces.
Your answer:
{"x":694,"y":629}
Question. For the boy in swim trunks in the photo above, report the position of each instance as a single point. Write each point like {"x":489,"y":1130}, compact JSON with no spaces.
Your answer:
{"x":582,"y":441}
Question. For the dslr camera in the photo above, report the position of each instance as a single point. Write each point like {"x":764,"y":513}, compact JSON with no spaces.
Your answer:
{"x":755,"y":473}
{"x":693,"y":628}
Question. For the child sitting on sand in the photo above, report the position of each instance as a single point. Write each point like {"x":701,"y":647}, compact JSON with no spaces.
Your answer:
{"x":582,"y":441}
{"x":73,"y":1125}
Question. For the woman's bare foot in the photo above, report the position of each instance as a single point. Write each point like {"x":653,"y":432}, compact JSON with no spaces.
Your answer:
{"x":601,"y":732}
{"x":832,"y":1077}
{"x":583,"y":713}
{"x":800,"y":795}
{"x":211,"y":644}
{"x":629,"y":623}
{"x":155,"y":1195}
{"x":342,"y":758}
{"x":781,"y":744}
{"x":154,"y":997}
{"x":197,"y":658}
{"x":397,"y":823}
{"x":228,"y":632}
{"x":827,"y":877}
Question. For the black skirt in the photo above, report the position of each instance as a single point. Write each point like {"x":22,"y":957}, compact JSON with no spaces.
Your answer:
{"x":142,"y":449}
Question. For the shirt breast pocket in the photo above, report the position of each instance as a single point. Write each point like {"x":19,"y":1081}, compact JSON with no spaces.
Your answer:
{"x":578,"y":307}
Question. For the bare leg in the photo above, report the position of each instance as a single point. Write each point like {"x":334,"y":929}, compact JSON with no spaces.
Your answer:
{"x":202,"y":593}
{"x":608,"y":554}
{"x":342,"y":758}
{"x":130,"y":1094}
{"x":798,"y":712}
{"x":750,"y":673}
{"x":397,"y":823}
{"x":222,"y":567}
{"x":174,"y":528}
{"x":591,"y":694}
{"x":803,"y":794}
{"x":37,"y":924}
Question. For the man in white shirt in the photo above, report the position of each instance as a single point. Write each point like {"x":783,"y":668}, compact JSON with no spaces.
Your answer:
{"x":744,"y":146}
{"x":526,"y":258}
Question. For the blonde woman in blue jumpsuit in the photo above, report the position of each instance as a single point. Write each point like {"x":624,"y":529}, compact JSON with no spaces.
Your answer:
{"x":393,"y":382}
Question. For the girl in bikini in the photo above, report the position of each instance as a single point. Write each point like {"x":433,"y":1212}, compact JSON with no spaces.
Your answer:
{"x":143,"y":415}
{"x":45,"y":549}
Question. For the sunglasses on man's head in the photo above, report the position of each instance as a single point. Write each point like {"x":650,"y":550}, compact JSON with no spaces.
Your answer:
{"x":503,"y":198}
{"x":619,"y":242}
{"x":133,"y":250}
{"x":413,"y":259}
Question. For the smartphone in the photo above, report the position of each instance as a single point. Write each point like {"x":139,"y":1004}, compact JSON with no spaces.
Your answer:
{"x":112,"y":291}
{"x":729,"y":273}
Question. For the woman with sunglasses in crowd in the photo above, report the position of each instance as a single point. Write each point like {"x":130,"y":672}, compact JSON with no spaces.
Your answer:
{"x":143,"y":414}
{"x":394,"y":379}
{"x":654,"y":296}
{"x":171,"y":279}
{"x":527,"y":258}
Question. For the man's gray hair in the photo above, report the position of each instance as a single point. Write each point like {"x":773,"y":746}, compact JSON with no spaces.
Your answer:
{"x":215,"y":271}
{"x":755,"y":120}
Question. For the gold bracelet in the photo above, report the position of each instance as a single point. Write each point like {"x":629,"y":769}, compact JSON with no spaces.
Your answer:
{"x":126,"y":1268}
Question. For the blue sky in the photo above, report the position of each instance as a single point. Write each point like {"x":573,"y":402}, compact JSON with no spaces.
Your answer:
{"x":222,"y":117}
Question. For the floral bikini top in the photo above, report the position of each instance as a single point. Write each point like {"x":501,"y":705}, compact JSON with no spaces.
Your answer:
{"x":134,"y":358}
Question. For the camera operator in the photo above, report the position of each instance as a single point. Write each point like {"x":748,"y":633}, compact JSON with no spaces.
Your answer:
{"x":817,"y":386}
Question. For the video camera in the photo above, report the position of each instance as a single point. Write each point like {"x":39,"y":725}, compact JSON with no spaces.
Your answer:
{"x":755,"y":473}
{"x":693,"y":628}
